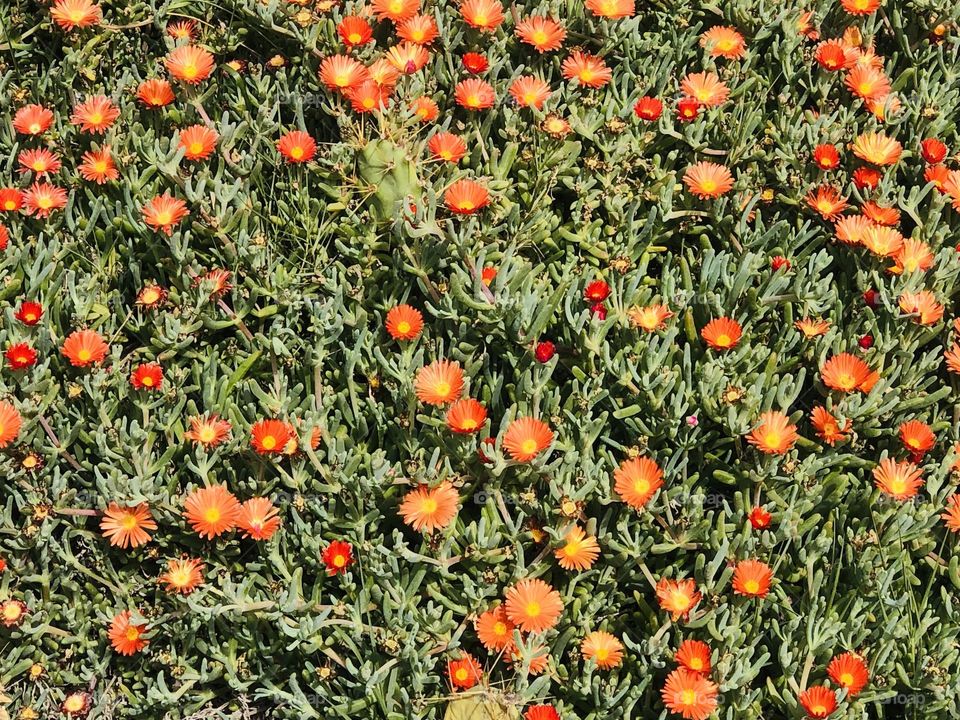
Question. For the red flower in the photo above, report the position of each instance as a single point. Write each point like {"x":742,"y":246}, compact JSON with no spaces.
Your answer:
{"x":826,"y":156}
{"x":866,"y":342}
{"x":544,"y":351}
{"x":337,"y":556}
{"x":779,"y":262}
{"x":29,"y":313}
{"x":688,"y":109}
{"x":870,"y":297}
{"x":465,"y":672}
{"x":648,"y":108}
{"x":541,"y":712}
{"x":148,"y":376}
{"x":475,"y":63}
{"x":866,"y":178}
{"x":599,"y":311}
{"x":933,"y":151}
{"x":597,"y":291}
{"x":759,"y":518}
{"x":11,"y":199}
{"x":20,"y":356}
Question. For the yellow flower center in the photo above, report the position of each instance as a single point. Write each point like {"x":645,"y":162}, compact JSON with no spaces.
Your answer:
{"x":429,"y":505}
{"x":696,"y":664}
{"x":133,"y":634}
{"x":84,"y":355}
{"x":539,"y":37}
{"x":354,"y":38}
{"x":529,"y":446}
{"x":403,"y":326}
{"x":196,"y":148}
{"x":532,"y":609}
{"x":212,"y":515}
{"x":846,"y":679}
{"x":500,"y":628}
{"x":74,"y":703}
{"x":723,"y":340}
{"x":269,"y":442}
{"x":190,"y":71}
{"x":12,"y":612}
{"x":129,"y":521}
{"x":688,"y":697}
{"x":751,"y":586}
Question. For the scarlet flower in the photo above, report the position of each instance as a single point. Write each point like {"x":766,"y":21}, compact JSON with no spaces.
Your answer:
{"x":198,"y":142}
{"x":40,"y":161}
{"x":865,"y":342}
{"x":466,"y":416}
{"x":826,"y":156}
{"x":126,"y":637}
{"x":596,"y":291}
{"x":649,"y":108}
{"x":526,"y":437}
{"x":98,"y":166}
{"x":148,"y":376}
{"x":694,"y":655}
{"x":163,"y":212}
{"x":544,"y":351}
{"x":270,"y":436}
{"x":20,"y":356}
{"x":722,"y":333}
{"x":297,"y":146}
{"x":70,"y":14}
{"x":543,"y":33}
{"x":211,"y":511}
{"x":11,"y":199}
{"x":831,"y":55}
{"x":466,"y":197}
{"x":691,"y":695}
{"x":752,"y":578}
{"x":759,"y":518}
{"x":127,"y":526}
{"x":474,"y":94}
{"x":818,"y":701}
{"x":464,"y":673}
{"x":29,"y":313}
{"x":827,"y":201}
{"x":32,"y":120}
{"x":84,"y":347}
{"x":475,"y":63}
{"x":860,"y":7}
{"x":155,"y":93}
{"x":881,"y":214}
{"x":4,"y":237}
{"x":849,"y":671}
{"x":528,"y":91}
{"x":933,"y":151}
{"x":547,"y":712}
{"x":258,"y":519}
{"x":95,"y":115}
{"x":354,"y":30}
{"x":866,"y":177}
{"x":404,"y":322}
{"x":337,"y":556}
{"x":827,"y":426}
{"x":43,"y":198}
{"x":190,"y":64}
{"x":779,"y":262}
{"x":708,"y":180}
{"x":484,"y":15}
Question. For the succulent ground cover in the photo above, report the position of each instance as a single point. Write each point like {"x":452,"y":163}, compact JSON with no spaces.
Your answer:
{"x":408,"y":359}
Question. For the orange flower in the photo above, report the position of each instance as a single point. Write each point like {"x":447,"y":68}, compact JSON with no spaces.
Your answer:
{"x":882,"y":241}
{"x":270,"y":436}
{"x":10,"y":423}
{"x":851,"y":230}
{"x":579,"y":550}
{"x":484,"y":15}
{"x":70,"y":14}
{"x":466,"y":197}
{"x":11,"y":199}
{"x":533,"y":606}
{"x":447,"y":146}
{"x":208,"y":431}
{"x":775,"y":434}
{"x":860,"y":7}
{"x":125,"y":637}
{"x":818,"y":701}
{"x":40,"y":161}
{"x":650,"y":318}
{"x":845,"y":372}
{"x":84,"y":347}
{"x":913,"y":256}
{"x":368,"y":97}
{"x":708,"y":180}
{"x":408,"y":57}
{"x":340,"y":72}
{"x":465,"y":672}
{"x":32,"y":120}
{"x":880,"y":214}
{"x":297,"y":146}
{"x":636,"y":481}
{"x":612,"y":9}
{"x":474,"y":94}
{"x":354,"y":30}
{"x":588,"y":70}
{"x":951,"y":513}
{"x":849,"y":671}
{"x":827,"y":201}
{"x":877,"y":149}
{"x":899,"y":480}
{"x":922,"y":305}
{"x":439,"y":383}
{"x":420,"y":29}
{"x":812,"y":328}
{"x":528,"y":91}
{"x":690,"y":695}
{"x":184,"y":30}
{"x":155,"y":93}
{"x":428,"y":509}
{"x":722,"y":41}
{"x":96,"y":115}
{"x":721,"y":333}
{"x":603,"y":648}
{"x":494,"y":630}
{"x":198,"y":142}
{"x":752,"y":578}
{"x":76,"y":704}
{"x":404,"y":322}
{"x":541,"y":32}
{"x":917,"y":437}
{"x":952,"y":357}
{"x":466,"y":416}
{"x":258,"y":519}
{"x":148,"y":376}
{"x":127,"y":526}
{"x":868,"y":83}
{"x":163,"y":212}
{"x":396,"y":10}
{"x":694,"y":655}
{"x":526,"y":437}
{"x":43,"y":198}
{"x":827,"y":426}
{"x":678,"y":597}
{"x":190,"y":64}
{"x":706,"y":88}
{"x":183,"y":576}
{"x":98,"y":166}
{"x":211,"y":511}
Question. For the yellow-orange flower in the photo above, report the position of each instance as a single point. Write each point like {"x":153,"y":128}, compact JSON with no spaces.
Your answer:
{"x":723,"y":41}
{"x":636,"y":481}
{"x":127,"y":526}
{"x":827,"y":426}
{"x":603,"y":648}
{"x":428,"y":509}
{"x":543,"y":33}
{"x":183,"y":576}
{"x":690,"y":695}
{"x":211,"y":511}
{"x":439,"y":383}
{"x":494,"y":629}
{"x":125,"y":636}
{"x":190,"y":64}
{"x":258,"y":519}
{"x":650,"y":318}
{"x":84,"y":347}
{"x":533,"y":606}
{"x":877,"y":149}
{"x":69,"y":14}
{"x":466,"y":416}
{"x":721,"y":333}
{"x":868,"y":82}
{"x":678,"y":597}
{"x":528,"y":91}
{"x":922,"y":305}
{"x":708,"y":180}
{"x":404,"y":322}
{"x":526,"y":437}
{"x":845,"y":372}
{"x":706,"y":88}
{"x":752,"y":578}
{"x":484,"y":15}
{"x":775,"y":434}
{"x":579,"y":550}
{"x":10,"y":423}
{"x":899,"y":480}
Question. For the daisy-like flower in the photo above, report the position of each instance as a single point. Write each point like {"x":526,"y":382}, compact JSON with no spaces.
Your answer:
{"x":20,"y":356}
{"x":588,"y":70}
{"x":708,"y":180}
{"x":426,"y":509}
{"x":465,"y":672}
{"x":832,"y":56}
{"x":184,"y":30}
{"x":258,"y":519}
{"x":860,"y":7}
{"x":43,"y":198}
{"x":826,"y":156}
{"x":528,"y":91}
{"x":543,"y":33}
{"x":868,"y":83}
{"x":548,"y":712}
{"x":70,"y":14}
{"x":439,"y":383}
{"x":725,"y":42}
{"x":183,"y":576}
{"x":11,"y":199}
{"x":297,"y":147}
{"x":208,"y":431}
{"x":694,"y":655}
{"x":447,"y":147}
{"x":337,"y":556}
{"x":10,"y":423}
{"x":151,"y":296}
{"x":827,"y":201}
{"x":125,"y":636}
{"x":420,"y":29}
{"x":648,"y":108}
{"x":148,"y":376}
{"x":354,"y":31}
{"x":29,"y":313}
{"x":922,"y":305}
{"x":917,"y":437}
{"x":722,"y":333}
{"x":395,"y":10}
{"x":533,"y":606}
{"x":494,"y":630}
{"x":706,"y":88}
{"x":98,"y":166}
{"x":155,"y":93}
{"x":39,"y":161}
{"x":752,"y":578}
{"x":465,"y":197}
{"x":899,"y":480}
{"x":190,"y":64}
{"x":775,"y":435}
{"x":84,"y":347}
{"x":474,"y":94}
{"x":882,"y":241}
{"x":427,"y":110}
{"x":827,"y":426}
{"x":637,"y":480}
{"x":76,"y":704}
{"x":845,"y":373}
{"x":340,"y":72}
{"x":466,"y":416}
{"x":13,"y":612}
{"x":270,"y":437}
{"x":198,"y":142}
{"x":579,"y":550}
{"x":818,"y":701}
{"x":383,"y":73}
{"x":32,"y":120}
{"x":368,"y":97}
{"x":211,"y":511}
{"x":877,"y":149}
{"x":526,"y":437}
{"x":849,"y":671}
{"x":96,"y":115}
{"x":690,"y":695}
{"x":851,"y":229}
{"x":951,"y":513}
{"x":933,"y":151}
{"x":408,"y":57}
{"x":484,"y":15}
{"x":404,"y":322}
{"x":603,"y":648}
{"x":952,"y":358}
{"x":163,"y":212}
{"x":812,"y":328}
{"x":677,"y":597}
{"x":880,"y":214}
{"x":650,"y":318}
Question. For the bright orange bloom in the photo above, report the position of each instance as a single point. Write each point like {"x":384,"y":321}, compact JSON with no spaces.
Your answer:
{"x":951,"y":513}
{"x":694,"y":655}
{"x":190,"y":64}
{"x":849,"y":671}
{"x":148,"y":376}
{"x":913,"y":256}
{"x":466,"y":416}
{"x":706,"y":88}
{"x":408,"y":57}
{"x":447,"y":146}
{"x":384,"y":74}
{"x":877,"y":148}
{"x":83,"y":347}
{"x":690,"y":695}
{"x":818,"y":701}
{"x":579,"y":550}
{"x":868,"y":83}
{"x":860,"y":7}
{"x":832,"y":56}
{"x":125,"y":637}
{"x":155,"y":93}
{"x":543,"y":33}
{"x":163,"y":212}
{"x":258,"y":519}
{"x":98,"y":166}
{"x":208,"y":431}
{"x":882,"y":241}
{"x":127,"y":526}
{"x":270,"y":436}
{"x":404,"y":322}
{"x":485,"y":15}
{"x":340,"y":72}
{"x":43,"y":198}
{"x":900,"y":480}
{"x":650,"y":318}
{"x":32,"y":120}
{"x":428,"y":509}
{"x":722,"y":41}
{"x":474,"y":94}
{"x":827,"y":201}
{"x":211,"y":511}
{"x":952,"y":357}
{"x":40,"y":161}
{"x":396,"y":10}
{"x":354,"y":30}
{"x":494,"y":629}
{"x":812,"y":328}
{"x":827,"y":426}
{"x":721,"y":333}
{"x":922,"y":305}
{"x":881,"y":214}
{"x":183,"y":576}
{"x":183,"y":30}
{"x":612,"y":9}
{"x":10,"y":423}
{"x":752,"y":578}
{"x":636,"y":481}
{"x":775,"y":434}
{"x":198,"y":142}
{"x":439,"y":383}
{"x":678,"y":597}
{"x":537,"y":657}
{"x":851,"y":229}
{"x":466,"y":197}
{"x":533,"y":606}
{"x":603,"y":648}
{"x":917,"y":437}
{"x":526,"y":437}
{"x":11,"y":199}
{"x":70,"y":14}
{"x":465,"y":672}
{"x":297,"y":146}
{"x":708,"y":180}
{"x":95,"y":115}
{"x":528,"y":91}
{"x":588,"y":70}
{"x":420,"y":29}
{"x":369,"y":97}
{"x":845,"y":372}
